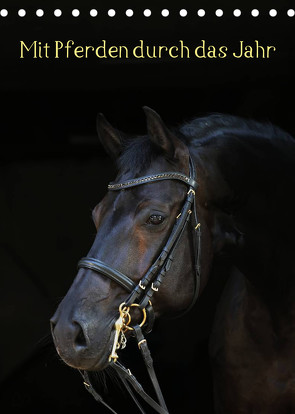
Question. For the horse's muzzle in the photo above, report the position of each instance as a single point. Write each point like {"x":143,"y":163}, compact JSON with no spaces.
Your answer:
{"x":77,"y":347}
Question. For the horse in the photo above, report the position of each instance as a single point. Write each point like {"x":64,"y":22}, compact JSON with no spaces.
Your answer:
{"x":216,"y":186}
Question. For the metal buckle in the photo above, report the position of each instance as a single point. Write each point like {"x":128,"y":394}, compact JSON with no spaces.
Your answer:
{"x":191,"y":191}
{"x":141,"y":342}
{"x":141,"y":285}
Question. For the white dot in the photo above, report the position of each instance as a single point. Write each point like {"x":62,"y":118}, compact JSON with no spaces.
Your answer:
{"x":183,"y":13}
{"x":3,"y":13}
{"x":273,"y":13}
{"x":93,"y":13}
{"x":165,"y":13}
{"x":219,"y":12}
{"x":39,"y":12}
{"x":21,"y":13}
{"x":291,"y":12}
{"x":237,"y":12}
{"x":201,"y":12}
{"x":129,"y":13}
{"x":111,"y":12}
{"x":75,"y":13}
{"x":147,"y":12}
{"x":255,"y":13}
{"x":57,"y":12}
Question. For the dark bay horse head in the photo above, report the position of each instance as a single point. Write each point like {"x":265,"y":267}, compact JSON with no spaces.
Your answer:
{"x":132,"y":227}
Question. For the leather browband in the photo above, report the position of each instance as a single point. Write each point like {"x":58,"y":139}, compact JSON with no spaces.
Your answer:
{"x":151,"y":178}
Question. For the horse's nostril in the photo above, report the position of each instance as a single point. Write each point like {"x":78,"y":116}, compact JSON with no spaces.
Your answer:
{"x":80,"y":339}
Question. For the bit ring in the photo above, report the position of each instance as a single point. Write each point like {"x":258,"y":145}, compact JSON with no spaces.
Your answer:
{"x":129,"y":328}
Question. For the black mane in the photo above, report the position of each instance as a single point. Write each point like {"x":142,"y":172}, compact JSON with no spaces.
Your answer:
{"x":201,"y":130}
{"x":215,"y":129}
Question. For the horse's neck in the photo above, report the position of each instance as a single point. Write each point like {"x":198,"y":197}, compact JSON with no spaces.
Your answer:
{"x":257,"y":201}
{"x":266,"y":254}
{"x":246,"y":319}
{"x":272,"y":276}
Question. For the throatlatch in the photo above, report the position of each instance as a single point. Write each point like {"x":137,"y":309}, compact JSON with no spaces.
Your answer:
{"x":142,"y":293}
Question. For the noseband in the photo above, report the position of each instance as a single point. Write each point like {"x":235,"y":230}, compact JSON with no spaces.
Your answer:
{"x":142,"y":293}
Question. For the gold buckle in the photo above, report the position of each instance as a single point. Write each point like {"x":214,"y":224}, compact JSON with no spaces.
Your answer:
{"x":141,"y":342}
{"x":141,"y":285}
{"x":155,"y":289}
{"x":191,"y":191}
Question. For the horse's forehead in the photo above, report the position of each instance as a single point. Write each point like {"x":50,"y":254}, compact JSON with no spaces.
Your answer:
{"x":157,"y":166}
{"x":158,"y":191}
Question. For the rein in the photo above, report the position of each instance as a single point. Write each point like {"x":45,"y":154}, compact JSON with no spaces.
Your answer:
{"x":141,"y":294}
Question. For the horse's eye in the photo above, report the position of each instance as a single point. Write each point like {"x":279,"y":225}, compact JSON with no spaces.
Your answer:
{"x":155,"y":219}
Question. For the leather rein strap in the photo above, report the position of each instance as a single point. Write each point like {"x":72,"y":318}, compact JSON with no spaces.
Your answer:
{"x":141,"y":293}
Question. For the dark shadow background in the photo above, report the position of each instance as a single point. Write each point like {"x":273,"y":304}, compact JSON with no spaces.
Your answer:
{"x":54,"y":171}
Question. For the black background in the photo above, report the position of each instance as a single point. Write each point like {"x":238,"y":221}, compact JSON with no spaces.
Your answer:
{"x":54,"y":171}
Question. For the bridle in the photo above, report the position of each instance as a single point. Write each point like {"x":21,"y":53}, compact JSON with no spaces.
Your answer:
{"x":141,"y":294}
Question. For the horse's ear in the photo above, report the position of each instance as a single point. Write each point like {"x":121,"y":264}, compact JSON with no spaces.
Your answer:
{"x":110,"y":137}
{"x":160,"y":135}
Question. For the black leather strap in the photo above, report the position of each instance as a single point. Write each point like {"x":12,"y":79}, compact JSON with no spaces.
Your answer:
{"x":131,"y":393}
{"x":128,"y":378}
{"x":148,"y":360}
{"x":100,"y":267}
{"x":144,"y":292}
{"x":152,"y":178}
{"x":93,"y":392}
{"x":124,"y":373}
